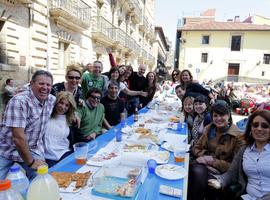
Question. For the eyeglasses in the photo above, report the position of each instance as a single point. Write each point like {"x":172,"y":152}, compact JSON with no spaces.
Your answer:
{"x":95,"y":97}
{"x":257,"y":124}
{"x":74,"y":77}
{"x":175,"y":74}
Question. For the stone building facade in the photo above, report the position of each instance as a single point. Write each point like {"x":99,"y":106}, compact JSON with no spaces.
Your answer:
{"x":41,"y":34}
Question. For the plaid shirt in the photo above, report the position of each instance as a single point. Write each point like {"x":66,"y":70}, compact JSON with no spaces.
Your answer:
{"x":25,"y":111}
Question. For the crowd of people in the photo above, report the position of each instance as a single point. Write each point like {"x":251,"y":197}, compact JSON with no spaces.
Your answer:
{"x":43,"y":120}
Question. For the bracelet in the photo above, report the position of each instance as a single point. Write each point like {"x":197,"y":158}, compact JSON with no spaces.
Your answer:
{"x":30,"y":165}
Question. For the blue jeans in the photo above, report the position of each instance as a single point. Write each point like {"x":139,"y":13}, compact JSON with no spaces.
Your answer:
{"x":5,"y":165}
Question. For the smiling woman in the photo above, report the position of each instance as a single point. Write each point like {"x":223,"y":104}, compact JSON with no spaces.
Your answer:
{"x":73,"y":77}
{"x":252,"y":162}
{"x":213,"y":152}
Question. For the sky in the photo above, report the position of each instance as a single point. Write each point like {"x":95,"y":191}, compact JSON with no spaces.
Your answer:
{"x":167,"y":12}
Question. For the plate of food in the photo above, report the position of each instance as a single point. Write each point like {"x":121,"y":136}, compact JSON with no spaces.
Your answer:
{"x":103,"y":157}
{"x":171,"y":171}
{"x":161,"y":157}
{"x":71,"y":182}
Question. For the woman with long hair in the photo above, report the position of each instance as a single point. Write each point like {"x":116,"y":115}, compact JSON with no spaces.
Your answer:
{"x":250,"y":168}
{"x":151,"y":87}
{"x":57,"y":139}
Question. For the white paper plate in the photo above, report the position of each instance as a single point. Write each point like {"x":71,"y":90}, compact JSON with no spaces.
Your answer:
{"x":171,"y":172}
{"x":171,"y":147}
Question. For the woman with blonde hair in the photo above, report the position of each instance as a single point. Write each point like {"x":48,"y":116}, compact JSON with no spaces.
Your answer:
{"x":57,"y":139}
{"x":73,"y":78}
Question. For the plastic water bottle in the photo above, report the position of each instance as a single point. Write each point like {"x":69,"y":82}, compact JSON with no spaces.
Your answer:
{"x":6,"y":193}
{"x":19,"y":181}
{"x":43,"y":186}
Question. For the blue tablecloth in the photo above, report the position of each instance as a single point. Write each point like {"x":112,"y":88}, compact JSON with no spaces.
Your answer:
{"x":150,"y":187}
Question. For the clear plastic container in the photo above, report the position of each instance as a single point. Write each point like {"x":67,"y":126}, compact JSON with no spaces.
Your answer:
{"x":118,"y":180}
{"x":43,"y":187}
{"x":19,"y":181}
{"x":6,"y":193}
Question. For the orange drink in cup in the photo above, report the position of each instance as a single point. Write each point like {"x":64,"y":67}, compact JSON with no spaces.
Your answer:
{"x":80,"y":152}
{"x":179,"y":154}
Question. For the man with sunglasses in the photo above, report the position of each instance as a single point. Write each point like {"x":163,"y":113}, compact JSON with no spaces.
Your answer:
{"x":91,"y":117}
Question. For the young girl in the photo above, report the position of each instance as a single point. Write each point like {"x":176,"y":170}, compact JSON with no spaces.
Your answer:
{"x":189,"y":114}
{"x":56,"y":138}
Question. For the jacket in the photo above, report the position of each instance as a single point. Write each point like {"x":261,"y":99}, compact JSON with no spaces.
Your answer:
{"x":222,"y":148}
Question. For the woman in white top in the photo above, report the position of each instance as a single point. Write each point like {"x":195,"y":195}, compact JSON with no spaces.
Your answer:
{"x":114,"y":75}
{"x":56,"y":138}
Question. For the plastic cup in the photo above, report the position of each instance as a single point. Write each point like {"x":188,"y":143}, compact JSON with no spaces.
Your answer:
{"x":179,"y":155}
{"x":80,"y":151}
{"x":118,"y":135}
{"x":151,"y":164}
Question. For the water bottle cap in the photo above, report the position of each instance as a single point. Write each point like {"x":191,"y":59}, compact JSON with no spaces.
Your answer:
{"x":43,"y":169}
{"x":14,"y":168}
{"x":5,"y":184}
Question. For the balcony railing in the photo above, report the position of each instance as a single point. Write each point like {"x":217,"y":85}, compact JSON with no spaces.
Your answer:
{"x":77,"y":12}
{"x":121,"y":37}
{"x":104,"y":31}
{"x":145,"y":25}
{"x":136,"y":11}
{"x":132,"y":45}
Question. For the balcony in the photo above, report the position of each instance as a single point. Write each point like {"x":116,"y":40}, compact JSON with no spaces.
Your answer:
{"x":121,"y":37}
{"x":132,"y":46}
{"x":151,"y":59}
{"x":71,"y":15}
{"x":136,"y":11}
{"x":144,"y":26}
{"x":104,"y":32}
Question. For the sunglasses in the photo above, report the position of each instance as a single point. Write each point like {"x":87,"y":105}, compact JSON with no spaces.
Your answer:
{"x":74,"y":77}
{"x":257,"y":124}
{"x":95,"y":97}
{"x":175,"y":74}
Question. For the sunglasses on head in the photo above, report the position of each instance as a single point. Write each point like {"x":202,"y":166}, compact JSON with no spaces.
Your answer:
{"x":95,"y":97}
{"x":257,"y":124}
{"x":74,"y":77}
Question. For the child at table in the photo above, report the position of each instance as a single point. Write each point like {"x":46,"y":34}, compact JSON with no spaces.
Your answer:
{"x":189,"y":114}
{"x":57,"y":136}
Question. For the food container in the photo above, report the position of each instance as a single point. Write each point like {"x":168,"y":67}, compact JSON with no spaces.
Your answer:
{"x":117,"y":181}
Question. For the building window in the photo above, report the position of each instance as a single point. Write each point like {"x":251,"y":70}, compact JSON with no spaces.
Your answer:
{"x":63,"y":54}
{"x":2,"y":44}
{"x":205,"y":39}
{"x":263,"y":72}
{"x":266,"y":59}
{"x":204,"y":57}
{"x":236,"y":43}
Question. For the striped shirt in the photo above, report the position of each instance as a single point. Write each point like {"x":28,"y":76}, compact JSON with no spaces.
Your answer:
{"x":25,"y":111}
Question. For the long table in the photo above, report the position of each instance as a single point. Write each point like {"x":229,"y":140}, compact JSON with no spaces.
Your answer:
{"x":150,"y":188}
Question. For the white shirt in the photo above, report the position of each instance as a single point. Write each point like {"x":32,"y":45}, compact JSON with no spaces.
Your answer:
{"x":55,"y":138}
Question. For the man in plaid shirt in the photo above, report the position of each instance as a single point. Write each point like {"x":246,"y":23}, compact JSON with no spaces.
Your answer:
{"x":24,"y":124}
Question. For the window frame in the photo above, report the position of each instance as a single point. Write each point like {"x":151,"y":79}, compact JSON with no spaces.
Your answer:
{"x":266,"y":58}
{"x":240,"y":45}
{"x":202,"y":41}
{"x":204,"y":57}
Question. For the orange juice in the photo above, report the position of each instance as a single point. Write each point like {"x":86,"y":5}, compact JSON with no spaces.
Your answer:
{"x":80,"y":161}
{"x":179,"y":159}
